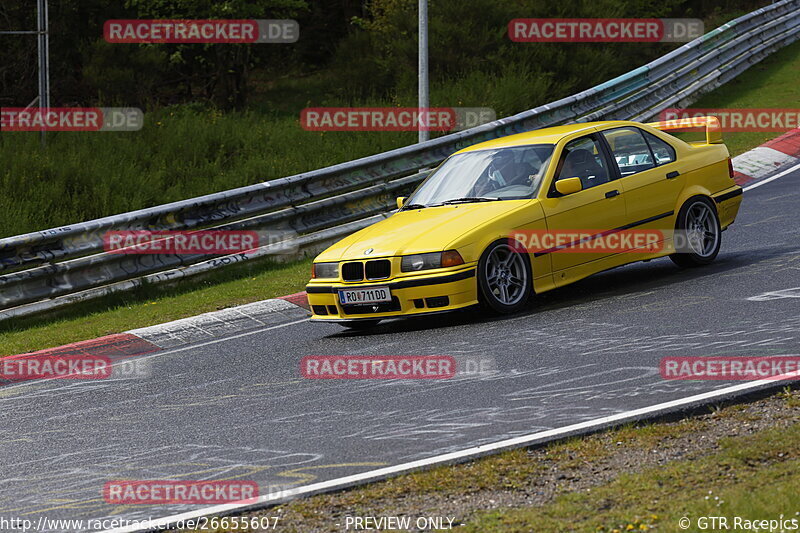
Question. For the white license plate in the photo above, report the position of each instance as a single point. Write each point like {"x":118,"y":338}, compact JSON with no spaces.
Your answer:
{"x":372,"y":295}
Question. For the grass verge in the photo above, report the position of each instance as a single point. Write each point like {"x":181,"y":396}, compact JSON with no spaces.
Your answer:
{"x":772,"y":83}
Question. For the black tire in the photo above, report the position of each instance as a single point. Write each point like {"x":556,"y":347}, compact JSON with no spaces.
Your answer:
{"x":698,"y":234}
{"x":360,"y":324}
{"x":504,"y":288}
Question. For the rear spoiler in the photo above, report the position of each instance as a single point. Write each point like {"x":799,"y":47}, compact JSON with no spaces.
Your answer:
{"x":711,"y":124}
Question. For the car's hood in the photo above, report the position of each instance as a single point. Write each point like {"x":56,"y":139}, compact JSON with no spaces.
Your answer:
{"x":418,"y":230}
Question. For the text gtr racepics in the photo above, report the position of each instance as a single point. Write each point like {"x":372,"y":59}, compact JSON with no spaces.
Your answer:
{"x":530,"y":212}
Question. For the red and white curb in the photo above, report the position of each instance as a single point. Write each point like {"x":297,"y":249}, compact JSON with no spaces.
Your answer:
{"x":769,"y":159}
{"x":117,"y":346}
{"x":200,"y":328}
{"x":223,"y":323}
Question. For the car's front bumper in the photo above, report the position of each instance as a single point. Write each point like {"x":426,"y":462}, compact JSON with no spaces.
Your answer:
{"x":412,"y":295}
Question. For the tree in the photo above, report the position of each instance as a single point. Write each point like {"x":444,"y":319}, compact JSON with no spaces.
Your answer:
{"x":220,"y":70}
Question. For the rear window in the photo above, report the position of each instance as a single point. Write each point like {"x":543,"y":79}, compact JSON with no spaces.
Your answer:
{"x":662,"y":151}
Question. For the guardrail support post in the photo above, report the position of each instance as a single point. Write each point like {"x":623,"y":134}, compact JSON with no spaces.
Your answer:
{"x":424,"y":95}
{"x":44,"y":61}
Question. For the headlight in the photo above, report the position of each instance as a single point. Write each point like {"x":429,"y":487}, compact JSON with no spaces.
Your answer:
{"x":325,"y":270}
{"x":413,"y":263}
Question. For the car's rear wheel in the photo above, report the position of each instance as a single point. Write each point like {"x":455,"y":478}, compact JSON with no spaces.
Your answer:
{"x":360,"y":324}
{"x":504,"y":278}
{"x":698,"y":234}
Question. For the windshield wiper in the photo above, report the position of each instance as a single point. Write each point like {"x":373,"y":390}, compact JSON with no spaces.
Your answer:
{"x":467,"y":199}
{"x":413,"y":206}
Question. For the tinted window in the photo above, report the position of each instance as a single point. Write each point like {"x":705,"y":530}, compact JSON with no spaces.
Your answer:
{"x":582,"y":159}
{"x":631,"y":151}
{"x":662,"y":150}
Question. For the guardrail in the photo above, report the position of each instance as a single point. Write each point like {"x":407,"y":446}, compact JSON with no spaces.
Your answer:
{"x":47,"y":269}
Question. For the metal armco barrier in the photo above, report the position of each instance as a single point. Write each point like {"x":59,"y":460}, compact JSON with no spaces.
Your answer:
{"x":47,"y":269}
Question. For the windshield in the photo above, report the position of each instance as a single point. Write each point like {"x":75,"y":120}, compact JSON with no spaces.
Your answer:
{"x":497,"y":174}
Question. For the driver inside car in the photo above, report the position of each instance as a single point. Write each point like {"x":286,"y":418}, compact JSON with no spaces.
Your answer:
{"x":504,"y":171}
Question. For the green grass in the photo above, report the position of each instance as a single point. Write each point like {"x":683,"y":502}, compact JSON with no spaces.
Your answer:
{"x":751,"y":477}
{"x":153,"y":305}
{"x":772,"y":83}
{"x":182,"y":152}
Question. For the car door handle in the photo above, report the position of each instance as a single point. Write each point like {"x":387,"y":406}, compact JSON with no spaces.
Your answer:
{"x":673,"y":174}
{"x":612,"y":194}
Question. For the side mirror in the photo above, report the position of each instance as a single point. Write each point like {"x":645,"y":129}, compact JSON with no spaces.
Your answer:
{"x":569,"y":185}
{"x":401,"y":201}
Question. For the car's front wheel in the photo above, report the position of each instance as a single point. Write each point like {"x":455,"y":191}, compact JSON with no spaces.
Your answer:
{"x":504,"y":278}
{"x":698,"y":235}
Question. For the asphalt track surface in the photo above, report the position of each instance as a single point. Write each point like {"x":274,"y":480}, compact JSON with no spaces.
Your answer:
{"x":237,"y":408}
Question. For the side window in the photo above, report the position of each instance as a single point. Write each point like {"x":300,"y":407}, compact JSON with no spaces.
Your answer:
{"x":631,"y":151}
{"x":663,"y":152}
{"x":582,"y":159}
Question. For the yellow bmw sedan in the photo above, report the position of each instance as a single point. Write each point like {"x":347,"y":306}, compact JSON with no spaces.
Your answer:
{"x":524,"y":214}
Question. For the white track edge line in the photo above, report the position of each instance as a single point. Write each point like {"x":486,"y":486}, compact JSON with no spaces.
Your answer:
{"x":772,"y":178}
{"x":378,"y":474}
